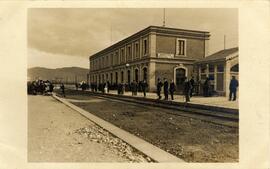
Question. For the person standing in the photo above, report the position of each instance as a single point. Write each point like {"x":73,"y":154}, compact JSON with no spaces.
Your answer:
{"x":192,"y":86}
{"x":165,"y":89}
{"x":135,"y":88}
{"x":172,"y":89}
{"x":132,"y":87}
{"x":233,"y":88}
{"x":159,"y":86}
{"x":206,"y":87}
{"x":51,"y":87}
{"x":63,"y":90}
{"x":108,"y":86}
{"x":187,"y":89}
{"x":144,"y":86}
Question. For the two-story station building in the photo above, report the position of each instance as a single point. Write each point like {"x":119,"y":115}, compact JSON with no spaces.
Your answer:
{"x":152,"y":53}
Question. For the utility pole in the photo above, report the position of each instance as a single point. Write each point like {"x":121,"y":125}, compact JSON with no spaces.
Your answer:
{"x":111,"y":31}
{"x":164,"y":17}
{"x":224,"y":42}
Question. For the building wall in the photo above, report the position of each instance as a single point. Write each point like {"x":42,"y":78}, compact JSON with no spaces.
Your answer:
{"x":195,"y":48}
{"x":164,"y":70}
{"x":116,"y":57}
{"x":165,"y":44}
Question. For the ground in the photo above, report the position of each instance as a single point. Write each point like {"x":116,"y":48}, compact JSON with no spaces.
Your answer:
{"x":190,"y":139}
{"x":57,"y":133}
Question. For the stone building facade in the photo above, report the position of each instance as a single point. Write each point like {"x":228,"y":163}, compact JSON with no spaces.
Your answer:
{"x":152,"y":53}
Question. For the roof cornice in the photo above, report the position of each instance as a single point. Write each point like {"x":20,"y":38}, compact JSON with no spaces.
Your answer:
{"x":155,"y":29}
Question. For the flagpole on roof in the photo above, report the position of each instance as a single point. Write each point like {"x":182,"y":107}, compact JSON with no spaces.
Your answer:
{"x":111,"y":32}
{"x":163,"y":17}
{"x":224,"y":42}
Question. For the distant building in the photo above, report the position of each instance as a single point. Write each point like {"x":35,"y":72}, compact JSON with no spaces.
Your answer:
{"x":152,"y":53}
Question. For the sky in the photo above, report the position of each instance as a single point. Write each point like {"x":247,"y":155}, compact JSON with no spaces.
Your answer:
{"x":63,"y":37}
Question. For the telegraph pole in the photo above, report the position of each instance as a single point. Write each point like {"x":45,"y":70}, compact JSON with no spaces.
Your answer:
{"x":224,"y":42}
{"x":111,"y":33}
{"x":164,"y":17}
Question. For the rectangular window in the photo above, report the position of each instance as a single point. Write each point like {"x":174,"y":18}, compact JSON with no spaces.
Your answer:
{"x":122,"y":55}
{"x":211,"y":76}
{"x":107,"y":62}
{"x":211,"y":68}
{"x":220,"y":81}
{"x":136,"y":50}
{"x":102,"y":63}
{"x":116,"y":58}
{"x":181,"y":47}
{"x":145,"y":46}
{"x":111,"y":59}
{"x":220,"y":68}
{"x":129,"y":53}
{"x":203,"y":69}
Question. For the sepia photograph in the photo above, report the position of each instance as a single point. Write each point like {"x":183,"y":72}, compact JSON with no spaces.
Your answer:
{"x":133,"y":85}
{"x":175,"y":84}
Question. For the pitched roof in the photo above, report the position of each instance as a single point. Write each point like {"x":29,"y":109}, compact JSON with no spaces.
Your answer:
{"x":220,"y":55}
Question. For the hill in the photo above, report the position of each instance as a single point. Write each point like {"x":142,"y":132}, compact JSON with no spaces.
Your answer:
{"x":65,"y":74}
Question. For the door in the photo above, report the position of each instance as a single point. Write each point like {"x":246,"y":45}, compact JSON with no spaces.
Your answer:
{"x":180,"y":75}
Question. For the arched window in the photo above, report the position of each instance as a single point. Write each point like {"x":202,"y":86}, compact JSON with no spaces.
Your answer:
{"x":128,"y":76}
{"x":111,"y":78}
{"x":136,"y":75}
{"x":235,"y":68}
{"x":116,"y":77}
{"x":122,"y":76}
{"x":145,"y":74}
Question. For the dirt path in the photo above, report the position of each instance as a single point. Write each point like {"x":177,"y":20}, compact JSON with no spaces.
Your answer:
{"x":57,"y":133}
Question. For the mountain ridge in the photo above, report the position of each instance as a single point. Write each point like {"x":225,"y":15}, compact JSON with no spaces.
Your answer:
{"x":64,"y":74}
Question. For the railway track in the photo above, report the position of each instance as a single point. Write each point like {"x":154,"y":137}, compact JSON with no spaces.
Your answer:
{"x":229,"y":119}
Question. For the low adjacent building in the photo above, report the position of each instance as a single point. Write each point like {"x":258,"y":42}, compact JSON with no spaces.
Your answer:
{"x":219,"y":68}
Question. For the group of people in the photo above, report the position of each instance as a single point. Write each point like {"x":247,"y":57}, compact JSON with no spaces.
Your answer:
{"x":168,"y":88}
{"x":83,"y":85}
{"x":134,"y":87}
{"x":141,"y":86}
{"x":171,"y":88}
{"x":103,"y":87}
{"x":39,"y":87}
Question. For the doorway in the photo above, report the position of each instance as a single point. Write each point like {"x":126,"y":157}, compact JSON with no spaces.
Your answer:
{"x":180,"y":74}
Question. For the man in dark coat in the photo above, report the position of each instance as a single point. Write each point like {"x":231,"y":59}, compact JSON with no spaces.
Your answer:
{"x":63,"y":90}
{"x":233,"y":88}
{"x":192,"y":85}
{"x":187,"y":89}
{"x":172,"y":89}
{"x":159,"y":86}
{"x":51,"y":87}
{"x":134,"y":88}
{"x":144,"y":86}
{"x":165,"y":89}
{"x":206,"y":87}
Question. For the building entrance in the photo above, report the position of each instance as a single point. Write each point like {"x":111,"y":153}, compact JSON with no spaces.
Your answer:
{"x":180,"y":75}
